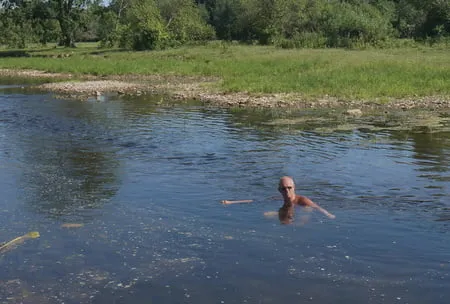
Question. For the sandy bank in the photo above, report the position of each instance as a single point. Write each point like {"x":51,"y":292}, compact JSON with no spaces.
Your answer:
{"x":203,"y":89}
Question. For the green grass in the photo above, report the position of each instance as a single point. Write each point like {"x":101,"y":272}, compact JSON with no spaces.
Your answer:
{"x":349,"y":74}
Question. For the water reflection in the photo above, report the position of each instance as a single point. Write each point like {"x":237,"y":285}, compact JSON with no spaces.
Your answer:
{"x":66,"y":167}
{"x":433,"y":161}
{"x":66,"y":183}
{"x":430,"y":153}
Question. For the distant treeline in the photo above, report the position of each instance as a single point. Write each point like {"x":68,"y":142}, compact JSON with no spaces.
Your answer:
{"x":157,"y":24}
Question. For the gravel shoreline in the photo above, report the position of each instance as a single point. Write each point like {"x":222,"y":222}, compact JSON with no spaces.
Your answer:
{"x":201,"y":88}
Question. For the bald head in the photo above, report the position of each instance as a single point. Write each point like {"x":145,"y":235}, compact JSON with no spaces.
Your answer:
{"x":286,"y":180}
{"x":286,"y":187}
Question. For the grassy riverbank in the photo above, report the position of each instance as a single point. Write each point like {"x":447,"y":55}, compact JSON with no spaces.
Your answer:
{"x":313,"y":73}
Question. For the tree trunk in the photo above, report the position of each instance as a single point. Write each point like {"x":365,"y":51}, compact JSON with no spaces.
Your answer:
{"x":66,"y":23}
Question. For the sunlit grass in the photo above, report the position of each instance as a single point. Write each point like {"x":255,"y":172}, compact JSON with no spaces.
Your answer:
{"x":257,"y":69}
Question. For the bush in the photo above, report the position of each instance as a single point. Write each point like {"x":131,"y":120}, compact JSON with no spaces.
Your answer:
{"x":185,"y":21}
{"x":302,"y":40}
{"x":144,"y":29}
{"x":356,"y":25}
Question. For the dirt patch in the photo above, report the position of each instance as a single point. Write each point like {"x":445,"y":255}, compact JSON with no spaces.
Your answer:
{"x":33,"y":74}
{"x":205,"y":90}
{"x":92,"y":87}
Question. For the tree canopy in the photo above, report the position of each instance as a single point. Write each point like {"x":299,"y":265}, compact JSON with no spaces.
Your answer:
{"x":156,"y":24}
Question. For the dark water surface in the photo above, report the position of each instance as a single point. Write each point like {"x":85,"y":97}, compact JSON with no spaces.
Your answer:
{"x":145,"y":180}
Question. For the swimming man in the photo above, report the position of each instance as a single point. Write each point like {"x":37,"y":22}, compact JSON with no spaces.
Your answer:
{"x":286,"y":187}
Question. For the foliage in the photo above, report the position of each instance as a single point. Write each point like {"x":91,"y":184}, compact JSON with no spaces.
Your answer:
{"x":350,"y":25}
{"x":144,"y":29}
{"x":45,"y":25}
{"x":184,"y":21}
{"x":108,"y":29}
{"x":410,"y":18}
{"x":224,"y":16}
{"x":255,"y":20}
{"x":437,"y":22}
{"x":113,"y":22}
{"x":155,"y":24}
{"x":300,"y":23}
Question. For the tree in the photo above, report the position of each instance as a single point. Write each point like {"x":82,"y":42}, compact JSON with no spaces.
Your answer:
{"x":66,"y":15}
{"x":362,"y":24}
{"x":437,"y":21}
{"x":410,"y":18}
{"x":184,"y":21}
{"x":143,"y":27}
{"x":224,"y":15}
{"x":16,"y":23}
{"x":45,"y":26}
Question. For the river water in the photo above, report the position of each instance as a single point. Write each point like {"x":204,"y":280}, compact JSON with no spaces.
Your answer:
{"x":140,"y":180}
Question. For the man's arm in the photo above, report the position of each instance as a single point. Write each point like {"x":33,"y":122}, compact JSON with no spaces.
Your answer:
{"x":303,"y":200}
{"x":226,"y":202}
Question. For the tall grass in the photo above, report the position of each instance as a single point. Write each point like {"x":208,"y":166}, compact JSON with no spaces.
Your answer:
{"x":362,"y":74}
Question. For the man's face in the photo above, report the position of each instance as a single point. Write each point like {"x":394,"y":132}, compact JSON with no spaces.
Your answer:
{"x":287,"y":188}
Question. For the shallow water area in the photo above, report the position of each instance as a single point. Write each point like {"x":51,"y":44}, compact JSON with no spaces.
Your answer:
{"x":125,"y":195}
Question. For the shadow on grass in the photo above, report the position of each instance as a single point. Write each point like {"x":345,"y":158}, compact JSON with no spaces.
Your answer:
{"x":15,"y":53}
{"x":55,"y":53}
{"x":23,"y":53}
{"x":107,"y":51}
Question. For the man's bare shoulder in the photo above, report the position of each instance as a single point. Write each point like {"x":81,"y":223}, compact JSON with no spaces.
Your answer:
{"x":303,"y":201}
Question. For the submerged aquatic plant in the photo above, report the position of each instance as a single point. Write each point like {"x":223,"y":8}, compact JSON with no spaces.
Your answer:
{"x":18,"y":240}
